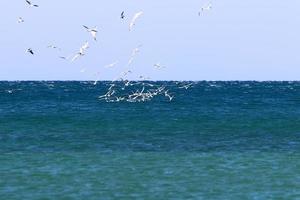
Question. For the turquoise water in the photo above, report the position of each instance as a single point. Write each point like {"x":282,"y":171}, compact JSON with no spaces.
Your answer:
{"x":216,"y":140}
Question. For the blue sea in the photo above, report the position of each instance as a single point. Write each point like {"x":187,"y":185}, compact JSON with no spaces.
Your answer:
{"x":214,"y":140}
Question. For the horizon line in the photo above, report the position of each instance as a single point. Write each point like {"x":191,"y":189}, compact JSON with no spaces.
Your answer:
{"x":53,"y":80}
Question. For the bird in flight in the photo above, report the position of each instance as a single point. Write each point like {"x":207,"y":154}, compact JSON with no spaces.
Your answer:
{"x":20,"y":20}
{"x":93,"y":31}
{"x":158,"y":66}
{"x":81,"y":51}
{"x":53,"y":47}
{"x":30,"y":51}
{"x":111,"y":65}
{"x":135,"y":17}
{"x":204,"y":8}
{"x":135,"y":51}
{"x":122,"y":15}
{"x":31,"y":5}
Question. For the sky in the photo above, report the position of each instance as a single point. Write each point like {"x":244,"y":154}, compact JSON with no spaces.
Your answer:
{"x":235,"y":40}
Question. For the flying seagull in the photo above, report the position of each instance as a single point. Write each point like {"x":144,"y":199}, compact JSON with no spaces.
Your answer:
{"x":53,"y":47}
{"x":158,"y":66}
{"x":135,"y":17}
{"x":122,"y":15}
{"x":111,"y":65}
{"x":93,"y":31}
{"x":205,"y":8}
{"x":135,"y":51}
{"x":20,"y":20}
{"x":30,"y":51}
{"x":31,"y":5}
{"x":82,"y":49}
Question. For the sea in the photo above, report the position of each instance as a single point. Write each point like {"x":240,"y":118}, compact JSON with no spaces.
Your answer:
{"x":214,"y":140}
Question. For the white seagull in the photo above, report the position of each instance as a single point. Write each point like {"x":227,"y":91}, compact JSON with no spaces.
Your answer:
{"x":97,"y":78}
{"x":135,"y":17}
{"x":53,"y":47}
{"x":205,"y":8}
{"x":81,"y":52}
{"x":20,"y":20}
{"x":93,"y":31}
{"x":135,"y":51}
{"x":112,"y":64}
{"x":31,"y":5}
{"x":158,"y":66}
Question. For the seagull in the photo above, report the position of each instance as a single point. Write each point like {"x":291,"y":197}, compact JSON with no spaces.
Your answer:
{"x":144,"y":78}
{"x":205,"y":8}
{"x":123,"y":75}
{"x":9,"y":91}
{"x":186,"y":86}
{"x":111,"y":65}
{"x":168,"y":95}
{"x":82,"y":49}
{"x":135,"y":17}
{"x":93,"y":31}
{"x":158,"y":66}
{"x":83,"y":70}
{"x":122,"y":15}
{"x":53,"y":47}
{"x":30,"y":51}
{"x":135,"y":51}
{"x":20,"y":20}
{"x":31,"y":5}
{"x":97,"y":78}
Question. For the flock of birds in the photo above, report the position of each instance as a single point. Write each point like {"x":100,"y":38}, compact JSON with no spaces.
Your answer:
{"x":115,"y":92}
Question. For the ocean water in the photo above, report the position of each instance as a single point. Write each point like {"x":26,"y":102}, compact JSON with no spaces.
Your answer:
{"x":215,"y":140}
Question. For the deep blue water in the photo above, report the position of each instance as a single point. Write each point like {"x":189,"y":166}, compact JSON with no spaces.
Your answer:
{"x":215,"y":140}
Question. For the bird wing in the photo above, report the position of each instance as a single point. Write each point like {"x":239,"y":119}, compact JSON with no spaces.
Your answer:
{"x":86,"y":27}
{"x":135,"y":17}
{"x":75,"y":57}
{"x":85,"y":46}
{"x":94,"y":34}
{"x":28,"y":2}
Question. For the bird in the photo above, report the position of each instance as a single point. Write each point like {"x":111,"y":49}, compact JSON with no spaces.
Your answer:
{"x":111,"y":65}
{"x":97,"y":78}
{"x":168,"y":95}
{"x":53,"y":47}
{"x":81,"y":52}
{"x":122,"y":15}
{"x":123,"y":75}
{"x":93,"y":31}
{"x":158,"y":66}
{"x":30,"y":51}
{"x":135,"y":17}
{"x":205,"y":8}
{"x":135,"y":51}
{"x":187,"y":86}
{"x":144,"y":78}
{"x":20,"y":20}
{"x":31,"y":5}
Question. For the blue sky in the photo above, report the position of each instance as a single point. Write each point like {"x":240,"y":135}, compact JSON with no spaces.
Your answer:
{"x":236,"y":40}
